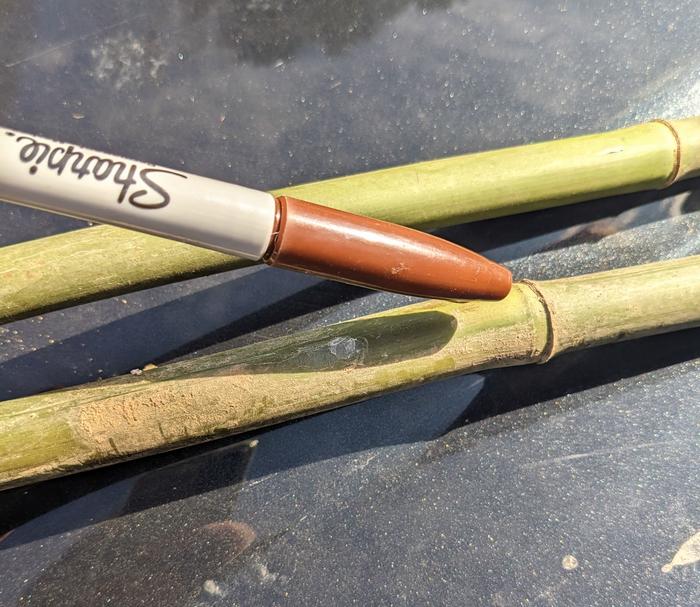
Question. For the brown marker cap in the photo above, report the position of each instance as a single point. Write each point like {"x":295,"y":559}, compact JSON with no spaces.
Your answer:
{"x":380,"y":255}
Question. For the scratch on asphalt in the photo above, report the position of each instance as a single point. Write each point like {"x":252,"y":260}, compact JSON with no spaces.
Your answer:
{"x":597,"y":452}
{"x":58,"y":47}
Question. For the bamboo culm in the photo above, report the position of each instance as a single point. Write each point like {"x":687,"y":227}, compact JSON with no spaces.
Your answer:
{"x":97,"y":262}
{"x":195,"y":400}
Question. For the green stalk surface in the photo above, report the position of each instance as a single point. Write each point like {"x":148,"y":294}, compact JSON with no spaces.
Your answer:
{"x":97,"y":262}
{"x":240,"y":389}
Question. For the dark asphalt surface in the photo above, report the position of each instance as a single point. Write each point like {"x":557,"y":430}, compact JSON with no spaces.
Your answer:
{"x":571,"y":483}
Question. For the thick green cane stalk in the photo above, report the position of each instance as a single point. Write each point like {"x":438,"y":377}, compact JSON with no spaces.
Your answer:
{"x":92,"y":263}
{"x":233,"y":391}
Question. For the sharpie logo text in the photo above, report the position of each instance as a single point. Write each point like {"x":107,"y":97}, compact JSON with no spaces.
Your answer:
{"x":67,"y":159}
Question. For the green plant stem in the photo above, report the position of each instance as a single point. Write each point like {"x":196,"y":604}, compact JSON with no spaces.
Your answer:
{"x":97,"y":262}
{"x":233,"y":391}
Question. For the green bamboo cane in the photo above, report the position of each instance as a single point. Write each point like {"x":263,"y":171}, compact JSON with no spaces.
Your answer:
{"x":233,"y":391}
{"x":92,"y":263}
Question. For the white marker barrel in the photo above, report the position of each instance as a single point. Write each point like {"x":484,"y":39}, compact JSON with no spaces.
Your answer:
{"x":71,"y":180}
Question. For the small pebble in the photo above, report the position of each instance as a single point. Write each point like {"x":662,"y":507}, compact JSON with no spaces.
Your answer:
{"x":211,"y":587}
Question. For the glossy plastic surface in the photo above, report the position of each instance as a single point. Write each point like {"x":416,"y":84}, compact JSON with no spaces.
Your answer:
{"x":379,"y":255}
{"x":78,"y":182}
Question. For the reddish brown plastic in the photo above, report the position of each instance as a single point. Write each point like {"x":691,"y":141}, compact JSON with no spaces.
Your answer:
{"x":380,"y":255}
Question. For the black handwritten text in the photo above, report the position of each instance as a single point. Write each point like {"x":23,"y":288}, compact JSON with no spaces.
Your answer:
{"x":66,"y":158}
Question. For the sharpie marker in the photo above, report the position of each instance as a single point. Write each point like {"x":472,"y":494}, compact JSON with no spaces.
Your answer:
{"x":283,"y":231}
